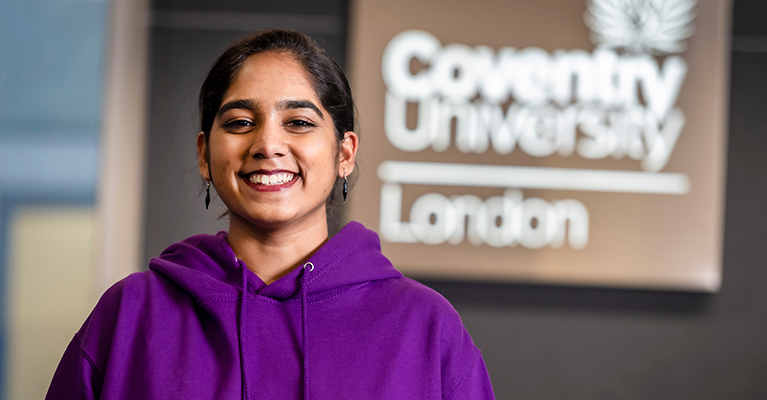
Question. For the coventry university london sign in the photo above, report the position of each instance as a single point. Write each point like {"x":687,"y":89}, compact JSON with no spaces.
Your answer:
{"x":594,"y":157}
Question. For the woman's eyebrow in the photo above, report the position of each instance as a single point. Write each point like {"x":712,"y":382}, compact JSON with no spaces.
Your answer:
{"x":237,"y":104}
{"x":293,"y":104}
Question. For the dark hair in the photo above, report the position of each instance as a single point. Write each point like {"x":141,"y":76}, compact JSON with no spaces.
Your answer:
{"x":326,"y":76}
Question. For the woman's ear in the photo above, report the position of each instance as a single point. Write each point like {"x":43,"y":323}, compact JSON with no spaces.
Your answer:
{"x":202,"y":156}
{"x":348,"y":153}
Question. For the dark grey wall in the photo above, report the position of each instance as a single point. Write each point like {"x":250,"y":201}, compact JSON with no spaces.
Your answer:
{"x":539,"y":342}
{"x":579,"y":343}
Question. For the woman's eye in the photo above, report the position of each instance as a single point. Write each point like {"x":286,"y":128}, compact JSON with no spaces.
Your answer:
{"x":300,"y":123}
{"x":238,"y":124}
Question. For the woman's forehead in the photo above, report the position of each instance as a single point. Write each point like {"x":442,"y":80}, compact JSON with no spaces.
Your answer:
{"x":274,"y":76}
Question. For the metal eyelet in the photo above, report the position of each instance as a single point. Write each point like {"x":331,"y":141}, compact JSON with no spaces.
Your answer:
{"x":310,"y":265}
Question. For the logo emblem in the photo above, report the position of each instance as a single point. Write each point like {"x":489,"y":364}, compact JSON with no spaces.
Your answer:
{"x":653,"y":27}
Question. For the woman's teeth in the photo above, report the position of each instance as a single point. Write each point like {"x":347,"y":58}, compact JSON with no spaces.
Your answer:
{"x":273,"y":179}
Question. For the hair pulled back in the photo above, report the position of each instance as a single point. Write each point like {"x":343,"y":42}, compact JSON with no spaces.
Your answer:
{"x":325,"y":75}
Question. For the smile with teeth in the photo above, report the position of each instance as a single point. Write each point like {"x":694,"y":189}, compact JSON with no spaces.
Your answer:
{"x":271,"y":180}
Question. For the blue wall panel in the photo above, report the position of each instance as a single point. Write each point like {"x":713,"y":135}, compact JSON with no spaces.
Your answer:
{"x":52,"y":55}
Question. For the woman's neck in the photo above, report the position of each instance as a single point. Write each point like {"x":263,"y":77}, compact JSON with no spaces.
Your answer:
{"x":273,"y":253}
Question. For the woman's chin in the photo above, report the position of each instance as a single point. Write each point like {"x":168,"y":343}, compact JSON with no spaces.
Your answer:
{"x":279,"y":219}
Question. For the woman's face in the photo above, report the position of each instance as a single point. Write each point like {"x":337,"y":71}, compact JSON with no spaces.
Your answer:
{"x":273,"y":152}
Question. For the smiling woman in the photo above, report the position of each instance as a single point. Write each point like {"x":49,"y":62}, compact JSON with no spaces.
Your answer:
{"x":273,"y":154}
{"x":273,"y":309}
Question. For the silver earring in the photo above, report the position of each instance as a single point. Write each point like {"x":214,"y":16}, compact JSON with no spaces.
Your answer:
{"x":207,"y":196}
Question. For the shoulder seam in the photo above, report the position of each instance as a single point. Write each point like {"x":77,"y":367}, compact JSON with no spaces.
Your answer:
{"x":464,"y":374}
{"x":90,"y":360}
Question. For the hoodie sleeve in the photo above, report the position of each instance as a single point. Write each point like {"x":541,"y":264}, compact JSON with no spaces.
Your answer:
{"x":464,"y":375}
{"x":76,"y":377}
{"x":474,"y":386}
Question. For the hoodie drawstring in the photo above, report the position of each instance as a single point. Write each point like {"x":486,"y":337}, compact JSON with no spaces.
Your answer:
{"x":304,"y":330}
{"x":243,"y":369}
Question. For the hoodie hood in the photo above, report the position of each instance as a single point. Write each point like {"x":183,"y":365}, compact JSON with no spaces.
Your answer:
{"x":205,"y":265}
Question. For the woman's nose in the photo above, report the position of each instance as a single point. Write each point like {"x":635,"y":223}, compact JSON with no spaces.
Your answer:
{"x":269,"y":141}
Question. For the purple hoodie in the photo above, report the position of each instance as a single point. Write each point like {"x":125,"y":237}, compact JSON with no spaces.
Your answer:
{"x":346,"y":326}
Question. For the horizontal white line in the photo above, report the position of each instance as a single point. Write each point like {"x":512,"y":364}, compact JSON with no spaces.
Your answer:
{"x":422,"y":173}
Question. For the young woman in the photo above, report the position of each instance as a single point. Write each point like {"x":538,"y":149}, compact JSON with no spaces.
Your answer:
{"x":273,"y":309}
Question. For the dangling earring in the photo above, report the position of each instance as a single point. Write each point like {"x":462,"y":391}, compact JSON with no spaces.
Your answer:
{"x":207,"y":196}
{"x":346,"y":190}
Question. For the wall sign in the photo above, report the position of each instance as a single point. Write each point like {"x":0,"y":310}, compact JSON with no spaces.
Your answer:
{"x":565,"y":143}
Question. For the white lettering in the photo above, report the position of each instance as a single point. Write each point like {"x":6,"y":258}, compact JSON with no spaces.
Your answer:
{"x":572,"y":65}
{"x":662,"y":90}
{"x":664,"y":142}
{"x":538,"y":136}
{"x":454,"y":73}
{"x":592,"y":132}
{"x":596,"y":105}
{"x":395,"y":64}
{"x":531,"y":84}
{"x":391,"y":229}
{"x":395,"y":124}
{"x":501,"y":129}
{"x":498,"y":221}
{"x":495,"y":73}
{"x":432,"y":218}
{"x":466,"y":207}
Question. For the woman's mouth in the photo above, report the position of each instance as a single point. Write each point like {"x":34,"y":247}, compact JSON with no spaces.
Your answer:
{"x":269,"y":181}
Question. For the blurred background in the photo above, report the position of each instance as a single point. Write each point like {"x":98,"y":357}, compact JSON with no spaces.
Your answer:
{"x":97,"y":125}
